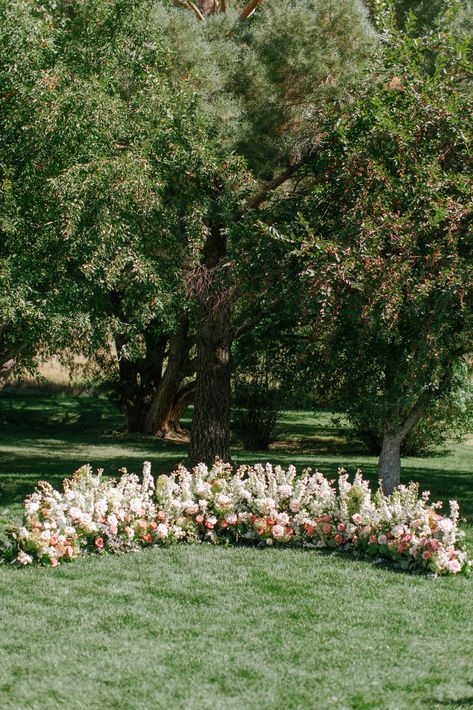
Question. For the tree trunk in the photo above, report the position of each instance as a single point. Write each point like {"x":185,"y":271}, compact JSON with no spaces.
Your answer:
{"x":184,"y":398}
{"x":159,"y":420}
{"x":389,"y":466}
{"x":139,"y":379}
{"x":7,"y":366}
{"x":210,"y":430}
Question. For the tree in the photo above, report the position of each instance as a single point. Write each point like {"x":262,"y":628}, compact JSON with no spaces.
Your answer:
{"x":103,"y":160}
{"x":387,"y":236}
{"x":283,"y":69}
{"x":159,"y":132}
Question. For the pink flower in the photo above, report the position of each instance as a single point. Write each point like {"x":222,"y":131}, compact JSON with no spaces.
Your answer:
{"x":355,"y":539}
{"x":142,"y":524}
{"x":54,"y":562}
{"x":147,"y":538}
{"x":327,"y":528}
{"x":277,"y":532}
{"x":357,"y":518}
{"x":373,"y":538}
{"x":199,"y":519}
{"x":295,"y":506}
{"x":339,"y":539}
{"x":113,"y":529}
{"x":231,"y":518}
{"x":454,"y":566}
{"x":98,"y":542}
{"x":382,"y":539}
{"x":310,"y":529}
{"x":161,"y":515}
{"x":341,"y":527}
{"x":153,"y":525}
{"x":426,"y":555}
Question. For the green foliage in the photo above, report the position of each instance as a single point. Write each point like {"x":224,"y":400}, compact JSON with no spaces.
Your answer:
{"x":387,"y":233}
{"x":296,"y":60}
{"x":446,"y":420}
{"x":258,"y":400}
{"x":127,"y":128}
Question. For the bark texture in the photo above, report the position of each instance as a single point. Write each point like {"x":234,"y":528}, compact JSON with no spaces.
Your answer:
{"x":210,"y":430}
{"x":139,"y":379}
{"x":389,"y":466}
{"x":7,"y":365}
{"x":162,"y":412}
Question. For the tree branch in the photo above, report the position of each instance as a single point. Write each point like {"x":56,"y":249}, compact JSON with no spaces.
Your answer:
{"x":259,"y":197}
{"x":249,"y":9}
{"x":424,"y":399}
{"x":190,"y":6}
{"x":250,"y":323}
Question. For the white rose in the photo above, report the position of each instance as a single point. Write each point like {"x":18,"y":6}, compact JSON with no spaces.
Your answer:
{"x":101,"y":508}
{"x":223,"y":501}
{"x":282,"y":518}
{"x":397,"y":530}
{"x":285,"y":490}
{"x":192,"y":508}
{"x":136,"y":505}
{"x":23,"y":558}
{"x":162,"y":531}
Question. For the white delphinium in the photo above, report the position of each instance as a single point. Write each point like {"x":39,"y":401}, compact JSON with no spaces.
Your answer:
{"x":148,"y":480}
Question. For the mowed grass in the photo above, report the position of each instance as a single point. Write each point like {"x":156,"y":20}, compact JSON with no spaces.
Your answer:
{"x":204,"y":627}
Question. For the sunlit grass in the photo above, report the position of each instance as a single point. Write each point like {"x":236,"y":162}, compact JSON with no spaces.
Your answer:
{"x":203,"y":627}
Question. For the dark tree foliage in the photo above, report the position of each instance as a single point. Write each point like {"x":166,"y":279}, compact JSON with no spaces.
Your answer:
{"x":387,"y":236}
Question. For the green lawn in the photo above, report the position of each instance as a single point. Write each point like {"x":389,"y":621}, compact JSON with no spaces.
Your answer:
{"x":203,"y":627}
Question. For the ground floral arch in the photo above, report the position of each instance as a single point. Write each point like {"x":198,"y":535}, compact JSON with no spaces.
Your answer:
{"x":259,"y":505}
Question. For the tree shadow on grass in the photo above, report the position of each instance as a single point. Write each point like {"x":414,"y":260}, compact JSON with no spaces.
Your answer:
{"x":466,"y":702}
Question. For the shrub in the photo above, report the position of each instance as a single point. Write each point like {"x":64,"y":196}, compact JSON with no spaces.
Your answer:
{"x":258,"y":404}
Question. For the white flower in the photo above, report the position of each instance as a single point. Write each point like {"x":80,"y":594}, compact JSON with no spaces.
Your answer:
{"x":23,"y":558}
{"x":397,"y":530}
{"x":295,"y":505}
{"x":223,"y":502}
{"x":285,"y":490}
{"x":162,"y":531}
{"x":282,"y":518}
{"x":101,"y":508}
{"x":32,"y":507}
{"x":445,"y":525}
{"x":136,"y":505}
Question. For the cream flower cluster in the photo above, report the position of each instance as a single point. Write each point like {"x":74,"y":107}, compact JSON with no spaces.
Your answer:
{"x":92,"y":513}
{"x":254,"y":504}
{"x":273,"y":505}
